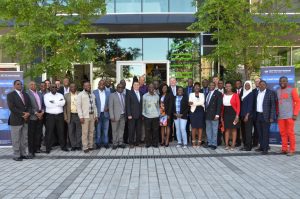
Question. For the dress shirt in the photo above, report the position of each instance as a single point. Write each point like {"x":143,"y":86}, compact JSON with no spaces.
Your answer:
{"x":58,"y":103}
{"x":138,"y":95}
{"x":260,"y":100}
{"x":173,"y":90}
{"x":102,"y":96}
{"x":73,"y":103}
{"x":238,"y":91}
{"x":37,"y":99}
{"x":21,"y":96}
{"x":210,"y":93}
{"x":66,"y":90}
{"x":220,"y":90}
{"x":121,"y":98}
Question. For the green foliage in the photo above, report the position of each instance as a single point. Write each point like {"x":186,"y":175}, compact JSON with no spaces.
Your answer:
{"x":46,"y":35}
{"x":245,"y":32}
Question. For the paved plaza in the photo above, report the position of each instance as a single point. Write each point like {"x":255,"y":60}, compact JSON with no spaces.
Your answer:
{"x":152,"y":173}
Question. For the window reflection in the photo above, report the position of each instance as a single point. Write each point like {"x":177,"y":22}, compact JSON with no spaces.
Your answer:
{"x":132,"y":46}
{"x":155,"y":5}
{"x":155,"y":48}
{"x":128,"y":6}
{"x":110,"y":6}
{"x":182,"y":6}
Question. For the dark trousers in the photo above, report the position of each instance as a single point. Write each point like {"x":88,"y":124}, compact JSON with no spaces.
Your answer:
{"x":75,"y":132}
{"x":255,"y":136}
{"x":110,"y":137}
{"x":188,"y":123}
{"x":35,"y":131}
{"x":135,"y":130}
{"x":238,"y":137}
{"x":263,"y":128}
{"x":55,"y":122}
{"x":151,"y":130}
{"x":246,"y":128}
{"x":125,"y":136}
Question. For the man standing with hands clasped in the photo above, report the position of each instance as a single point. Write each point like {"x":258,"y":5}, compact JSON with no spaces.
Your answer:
{"x":19,"y":106}
{"x":288,"y":106}
{"x":117,"y":116}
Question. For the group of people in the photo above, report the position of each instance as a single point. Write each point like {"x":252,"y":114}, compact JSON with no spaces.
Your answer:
{"x":150,"y":115}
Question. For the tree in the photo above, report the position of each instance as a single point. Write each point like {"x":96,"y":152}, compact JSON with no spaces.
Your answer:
{"x":46,"y":35}
{"x":245,"y":32}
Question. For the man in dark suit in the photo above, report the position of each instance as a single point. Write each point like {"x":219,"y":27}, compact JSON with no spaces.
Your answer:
{"x":35,"y":126}
{"x":190,"y":88}
{"x":134,"y":102}
{"x":239,"y":91}
{"x":65,"y":88}
{"x":255,"y":92}
{"x":205,"y":89}
{"x":213,"y":104}
{"x":19,"y":106}
{"x":173,"y":88}
{"x":265,"y":115}
{"x":125,"y":92}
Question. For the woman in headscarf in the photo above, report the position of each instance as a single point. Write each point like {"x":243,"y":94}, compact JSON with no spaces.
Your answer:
{"x":247,"y":115}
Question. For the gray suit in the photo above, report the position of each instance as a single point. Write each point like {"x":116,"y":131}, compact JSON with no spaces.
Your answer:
{"x":117,"y":116}
{"x":73,"y":121}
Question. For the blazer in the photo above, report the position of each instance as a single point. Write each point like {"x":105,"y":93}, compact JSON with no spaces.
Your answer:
{"x":247,"y":105}
{"x":34,"y":106}
{"x":184,"y":107}
{"x":17,"y":107}
{"x":83,"y":105}
{"x":269,"y":105}
{"x":98,"y":102}
{"x":168,"y":103}
{"x":215,"y":105}
{"x":115,"y":106}
{"x":186,"y":91}
{"x":134,"y":107}
{"x":196,"y":101}
{"x":67,"y":107}
{"x":205,"y":93}
{"x":171,"y":91}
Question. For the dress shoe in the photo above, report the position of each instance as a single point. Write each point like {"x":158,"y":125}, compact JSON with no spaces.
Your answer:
{"x":86,"y":151}
{"x":65,"y":149}
{"x":48,"y":151}
{"x":147,"y":146}
{"x":78,"y":148}
{"x":213,"y":147}
{"x":264,"y":152}
{"x":98,"y":146}
{"x":122,"y":146}
{"x":291,"y":154}
{"x":91,"y":149}
{"x":156,"y":146}
{"x":73,"y":149}
{"x":131,"y":146}
{"x":114,"y":147}
{"x":18,"y":159}
{"x":26,"y":157}
{"x":258,"y":150}
{"x":106,"y":146}
{"x":206,"y":146}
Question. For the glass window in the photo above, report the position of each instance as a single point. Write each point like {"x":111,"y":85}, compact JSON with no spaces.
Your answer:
{"x":131,"y":48}
{"x":155,"y":5}
{"x":182,"y":6}
{"x":278,"y":56}
{"x":110,"y":6}
{"x":155,"y":48}
{"x":128,"y":6}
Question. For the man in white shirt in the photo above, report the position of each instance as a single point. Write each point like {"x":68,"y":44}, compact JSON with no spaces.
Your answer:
{"x":54,"y":103}
{"x":102,"y":97}
{"x":220,"y":86}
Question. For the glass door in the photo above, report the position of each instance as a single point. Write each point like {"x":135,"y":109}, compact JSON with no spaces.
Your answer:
{"x":127,"y":70}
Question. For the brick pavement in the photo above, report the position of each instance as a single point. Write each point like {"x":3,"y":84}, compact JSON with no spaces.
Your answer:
{"x":152,"y":173}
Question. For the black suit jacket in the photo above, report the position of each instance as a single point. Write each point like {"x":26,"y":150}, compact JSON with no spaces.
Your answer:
{"x":184,"y":107}
{"x":133,"y":106}
{"x":215,"y":105}
{"x":17,"y":107}
{"x":168,"y":103}
{"x":269,"y":105}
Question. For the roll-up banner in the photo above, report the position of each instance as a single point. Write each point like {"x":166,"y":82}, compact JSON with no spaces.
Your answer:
{"x":271,"y":75}
{"x":7,"y":79}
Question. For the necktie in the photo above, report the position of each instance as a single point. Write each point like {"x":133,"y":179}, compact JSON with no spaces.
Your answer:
{"x":122,"y":101}
{"x":138,"y":95}
{"x":208,"y":98}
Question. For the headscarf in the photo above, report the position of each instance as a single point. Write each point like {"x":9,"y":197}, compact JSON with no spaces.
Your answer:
{"x":247,"y":92}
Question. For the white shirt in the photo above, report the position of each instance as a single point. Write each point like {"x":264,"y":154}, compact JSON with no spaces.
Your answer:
{"x":66,"y":90}
{"x":260,"y":100}
{"x":138,"y":95}
{"x":220,"y":90}
{"x":174,"y":90}
{"x":19,"y":93}
{"x":58,"y":103}
{"x":102,"y":96}
{"x":226,"y":100}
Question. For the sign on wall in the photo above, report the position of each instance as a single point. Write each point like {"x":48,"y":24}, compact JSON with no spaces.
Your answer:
{"x":271,"y":75}
{"x":6,"y":86}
